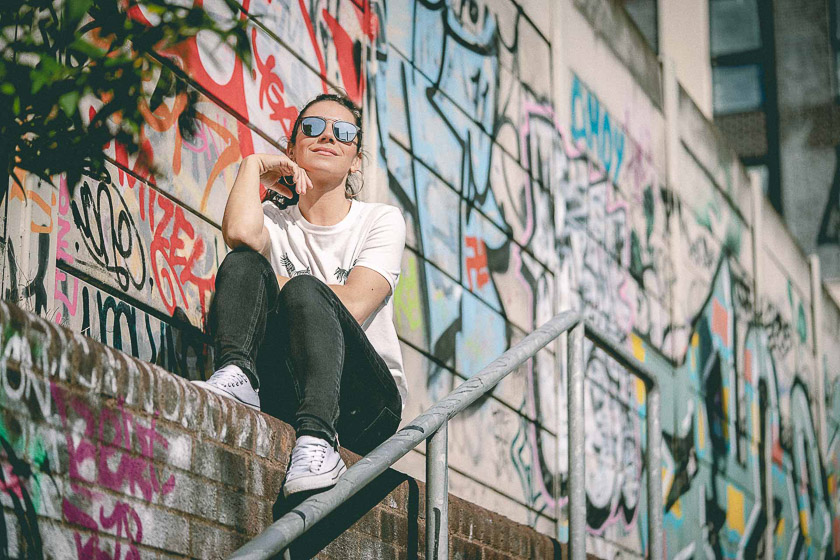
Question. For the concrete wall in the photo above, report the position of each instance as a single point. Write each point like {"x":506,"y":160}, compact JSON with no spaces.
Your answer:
{"x":543,"y":160}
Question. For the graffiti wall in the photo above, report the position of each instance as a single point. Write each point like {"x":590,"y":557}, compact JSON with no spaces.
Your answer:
{"x":520,"y":201}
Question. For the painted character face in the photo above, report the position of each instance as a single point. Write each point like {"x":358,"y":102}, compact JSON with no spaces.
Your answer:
{"x":327,"y":146}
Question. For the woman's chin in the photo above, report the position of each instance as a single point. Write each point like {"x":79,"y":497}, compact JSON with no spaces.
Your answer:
{"x":324,"y":176}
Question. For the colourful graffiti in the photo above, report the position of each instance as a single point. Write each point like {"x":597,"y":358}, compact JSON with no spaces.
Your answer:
{"x":516,"y":208}
{"x":726,"y":402}
{"x":57,"y":435}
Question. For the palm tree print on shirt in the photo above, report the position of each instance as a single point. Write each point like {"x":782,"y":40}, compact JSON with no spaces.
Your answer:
{"x":341,"y":274}
{"x":290,"y":267}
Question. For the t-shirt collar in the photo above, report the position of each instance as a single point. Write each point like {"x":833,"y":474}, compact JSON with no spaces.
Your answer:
{"x":345,"y":222}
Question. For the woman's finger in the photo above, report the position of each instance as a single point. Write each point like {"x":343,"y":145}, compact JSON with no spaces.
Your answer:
{"x":303,"y":185}
{"x":308,"y":180}
{"x":284,"y":190}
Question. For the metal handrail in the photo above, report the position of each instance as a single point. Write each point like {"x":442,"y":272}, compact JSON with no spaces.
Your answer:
{"x":432,"y":425}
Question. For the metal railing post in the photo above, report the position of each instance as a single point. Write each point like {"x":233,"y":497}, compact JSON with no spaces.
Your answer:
{"x":654,"y":474}
{"x":437,"y":494}
{"x":577,"y":480}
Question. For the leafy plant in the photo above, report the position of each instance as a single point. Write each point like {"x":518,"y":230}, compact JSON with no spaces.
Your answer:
{"x":54,"y":53}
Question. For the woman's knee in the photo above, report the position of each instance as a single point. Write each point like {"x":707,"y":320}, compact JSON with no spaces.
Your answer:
{"x":241,"y":265}
{"x":302,"y":291}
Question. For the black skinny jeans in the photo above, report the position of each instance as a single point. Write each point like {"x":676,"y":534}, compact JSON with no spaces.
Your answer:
{"x":313,"y":364}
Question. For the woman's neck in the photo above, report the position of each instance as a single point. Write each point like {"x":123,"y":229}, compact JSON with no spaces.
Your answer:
{"x":324,"y":206}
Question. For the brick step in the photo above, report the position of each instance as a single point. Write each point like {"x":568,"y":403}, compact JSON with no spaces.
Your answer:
{"x":104,"y":453}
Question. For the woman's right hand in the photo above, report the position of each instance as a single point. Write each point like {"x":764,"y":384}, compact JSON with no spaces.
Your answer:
{"x":273,"y":167}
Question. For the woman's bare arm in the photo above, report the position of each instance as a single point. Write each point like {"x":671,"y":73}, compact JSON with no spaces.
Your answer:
{"x":242,"y":224}
{"x":363,"y":293}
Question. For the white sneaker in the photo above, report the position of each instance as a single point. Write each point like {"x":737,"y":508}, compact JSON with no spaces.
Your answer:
{"x":314,"y":465}
{"x":230,"y":381}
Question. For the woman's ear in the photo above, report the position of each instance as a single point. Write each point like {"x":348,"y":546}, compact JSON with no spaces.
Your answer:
{"x":290,"y":151}
{"x":357,"y":163}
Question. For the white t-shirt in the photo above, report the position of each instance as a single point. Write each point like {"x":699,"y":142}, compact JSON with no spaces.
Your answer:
{"x":371,"y":235}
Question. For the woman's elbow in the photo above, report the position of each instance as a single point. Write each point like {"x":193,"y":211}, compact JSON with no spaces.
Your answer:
{"x":359,"y":312}
{"x":235,"y":238}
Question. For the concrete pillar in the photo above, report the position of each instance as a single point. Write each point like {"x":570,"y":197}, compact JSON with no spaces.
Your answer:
{"x":819,"y":374}
{"x":671,"y":110}
{"x":684,"y":38}
{"x":767,"y":447}
{"x":561,"y":281}
{"x":757,"y":204}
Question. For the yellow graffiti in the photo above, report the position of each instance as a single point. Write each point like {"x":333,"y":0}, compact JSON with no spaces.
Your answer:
{"x":407,"y":297}
{"x":676,"y":509}
{"x":695,"y":343}
{"x":803,"y":524}
{"x":735,"y":509}
{"x":641,"y":392}
{"x":638,"y":347}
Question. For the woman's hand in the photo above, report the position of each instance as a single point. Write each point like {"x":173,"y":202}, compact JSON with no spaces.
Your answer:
{"x":274,"y":167}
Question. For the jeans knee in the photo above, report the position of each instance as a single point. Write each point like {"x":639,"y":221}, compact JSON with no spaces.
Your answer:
{"x":241,"y":265}
{"x":301,"y":292}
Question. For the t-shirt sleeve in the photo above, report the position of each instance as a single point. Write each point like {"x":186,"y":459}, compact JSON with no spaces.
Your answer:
{"x":270,"y":222}
{"x":383,"y":248}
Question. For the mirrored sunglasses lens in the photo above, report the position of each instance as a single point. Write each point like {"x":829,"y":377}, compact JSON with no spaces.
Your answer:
{"x":344,"y":131}
{"x":312,"y":126}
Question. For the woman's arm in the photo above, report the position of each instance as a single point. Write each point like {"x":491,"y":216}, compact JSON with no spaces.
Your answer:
{"x":363,"y":293}
{"x":242,"y":224}
{"x":376,"y":270}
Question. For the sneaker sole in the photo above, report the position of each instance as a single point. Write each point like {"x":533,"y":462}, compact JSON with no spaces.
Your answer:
{"x":224,"y":393}
{"x":314,"y":482}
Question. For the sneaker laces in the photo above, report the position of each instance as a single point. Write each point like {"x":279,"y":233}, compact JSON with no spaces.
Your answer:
{"x":229,"y":377}
{"x":308,"y":455}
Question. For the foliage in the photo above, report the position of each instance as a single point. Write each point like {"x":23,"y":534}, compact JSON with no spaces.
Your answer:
{"x":55,"y":53}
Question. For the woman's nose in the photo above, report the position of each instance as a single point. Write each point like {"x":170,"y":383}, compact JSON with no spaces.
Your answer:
{"x":327,"y":134}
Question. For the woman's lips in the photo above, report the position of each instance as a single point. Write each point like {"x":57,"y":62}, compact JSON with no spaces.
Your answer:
{"x":326,"y":151}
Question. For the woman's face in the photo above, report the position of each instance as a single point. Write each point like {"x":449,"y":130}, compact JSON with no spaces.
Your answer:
{"x":323,"y":157}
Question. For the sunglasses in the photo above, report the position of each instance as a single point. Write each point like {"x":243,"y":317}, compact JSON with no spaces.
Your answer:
{"x":343,"y":131}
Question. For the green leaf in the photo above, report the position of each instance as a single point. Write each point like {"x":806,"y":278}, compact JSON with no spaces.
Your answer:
{"x":91,"y":51}
{"x":39,"y":78}
{"x":8,"y":88}
{"x":76,"y":9}
{"x":69,"y":102}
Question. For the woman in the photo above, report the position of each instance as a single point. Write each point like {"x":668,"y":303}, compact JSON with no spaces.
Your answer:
{"x":303,"y":314}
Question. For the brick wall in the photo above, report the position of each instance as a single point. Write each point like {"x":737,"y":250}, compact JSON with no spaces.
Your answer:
{"x":111,"y":457}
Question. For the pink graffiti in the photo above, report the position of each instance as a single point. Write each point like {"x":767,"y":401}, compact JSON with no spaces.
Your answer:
{"x":124,"y":465}
{"x":60,"y":296}
{"x":124,"y":521}
{"x":61,"y":254}
{"x":11,"y":483}
{"x":63,"y":224}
